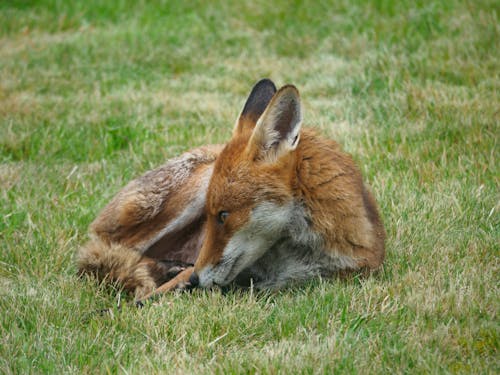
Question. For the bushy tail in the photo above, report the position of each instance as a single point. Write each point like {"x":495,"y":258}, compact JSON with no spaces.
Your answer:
{"x":121,"y":264}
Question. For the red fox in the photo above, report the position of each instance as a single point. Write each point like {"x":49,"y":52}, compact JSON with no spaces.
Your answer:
{"x":275,"y":205}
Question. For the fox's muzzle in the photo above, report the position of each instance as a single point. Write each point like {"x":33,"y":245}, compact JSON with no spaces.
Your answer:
{"x":194,"y":280}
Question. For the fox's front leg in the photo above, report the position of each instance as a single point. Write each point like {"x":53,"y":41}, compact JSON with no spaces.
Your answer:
{"x":182,"y":281}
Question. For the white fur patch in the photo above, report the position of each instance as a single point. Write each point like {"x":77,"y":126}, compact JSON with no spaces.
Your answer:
{"x":275,"y":247}
{"x":267,"y":224}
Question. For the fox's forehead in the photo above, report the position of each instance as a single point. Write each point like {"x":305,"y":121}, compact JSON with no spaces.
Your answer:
{"x":230,"y":188}
{"x":237,"y":181}
{"x":231,"y":178}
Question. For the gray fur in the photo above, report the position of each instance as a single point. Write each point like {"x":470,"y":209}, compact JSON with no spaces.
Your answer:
{"x":277,"y":246}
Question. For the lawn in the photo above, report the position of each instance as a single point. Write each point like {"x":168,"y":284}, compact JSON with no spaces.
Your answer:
{"x":94,"y":93}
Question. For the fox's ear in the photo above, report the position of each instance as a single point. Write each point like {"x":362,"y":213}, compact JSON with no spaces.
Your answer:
{"x":257,"y":101}
{"x":277,"y":130}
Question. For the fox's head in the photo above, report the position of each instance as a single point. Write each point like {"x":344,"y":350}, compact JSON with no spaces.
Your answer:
{"x":249,"y":198}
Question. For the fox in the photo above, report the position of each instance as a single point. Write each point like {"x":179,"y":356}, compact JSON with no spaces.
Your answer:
{"x":277,"y":204}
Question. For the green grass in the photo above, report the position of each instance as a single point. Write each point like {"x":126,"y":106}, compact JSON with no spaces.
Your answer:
{"x":94,"y":93}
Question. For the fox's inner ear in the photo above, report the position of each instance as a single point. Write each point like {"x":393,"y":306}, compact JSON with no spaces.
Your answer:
{"x":257,"y":101}
{"x":278,"y":129}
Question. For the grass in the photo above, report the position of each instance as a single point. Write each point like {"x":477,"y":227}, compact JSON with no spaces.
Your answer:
{"x":95,"y":93}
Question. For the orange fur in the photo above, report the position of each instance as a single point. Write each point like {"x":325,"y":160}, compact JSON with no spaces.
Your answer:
{"x":277,"y":203}
{"x":279,"y":164}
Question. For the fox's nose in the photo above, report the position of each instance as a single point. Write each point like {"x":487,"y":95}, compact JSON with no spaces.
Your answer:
{"x":194,"y":280}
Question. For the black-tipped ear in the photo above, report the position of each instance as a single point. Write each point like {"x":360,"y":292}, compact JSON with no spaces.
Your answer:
{"x":256,"y":104}
{"x":259,"y":98}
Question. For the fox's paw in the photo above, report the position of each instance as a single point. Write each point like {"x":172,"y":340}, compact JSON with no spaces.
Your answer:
{"x":174,"y":271}
{"x":183,"y":286}
{"x":180,"y":282}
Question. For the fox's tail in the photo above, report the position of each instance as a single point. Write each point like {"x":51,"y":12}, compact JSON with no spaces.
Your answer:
{"x":120,"y":264}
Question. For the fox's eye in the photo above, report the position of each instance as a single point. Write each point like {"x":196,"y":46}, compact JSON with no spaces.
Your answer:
{"x":221,"y":216}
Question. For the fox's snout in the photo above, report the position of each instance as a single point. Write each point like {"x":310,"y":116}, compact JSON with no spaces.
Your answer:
{"x":194,"y":280}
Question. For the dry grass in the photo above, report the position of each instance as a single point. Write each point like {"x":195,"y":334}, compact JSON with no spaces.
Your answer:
{"x":94,"y":93}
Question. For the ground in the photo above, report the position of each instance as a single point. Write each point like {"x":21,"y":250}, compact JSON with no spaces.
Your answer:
{"x":94,"y":93}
